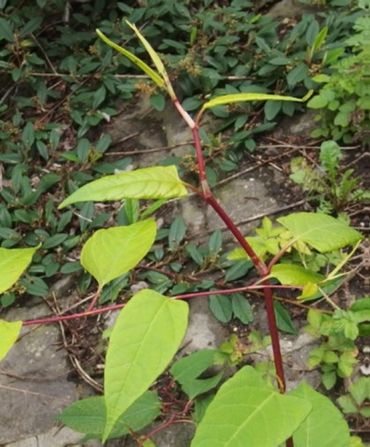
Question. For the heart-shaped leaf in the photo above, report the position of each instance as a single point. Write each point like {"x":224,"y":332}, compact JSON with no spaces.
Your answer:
{"x":111,"y":252}
{"x":247,"y":411}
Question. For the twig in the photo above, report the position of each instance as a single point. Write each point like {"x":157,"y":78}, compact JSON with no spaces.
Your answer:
{"x":32,"y":393}
{"x":44,"y":53}
{"x":147,"y":151}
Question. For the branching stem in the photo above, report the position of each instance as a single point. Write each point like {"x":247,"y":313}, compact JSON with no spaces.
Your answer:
{"x":259,"y":264}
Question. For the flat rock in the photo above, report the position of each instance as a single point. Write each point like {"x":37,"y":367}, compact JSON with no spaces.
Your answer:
{"x":289,"y":9}
{"x":55,"y":437}
{"x":204,"y":331}
{"x":178,"y":435}
{"x":33,"y":380}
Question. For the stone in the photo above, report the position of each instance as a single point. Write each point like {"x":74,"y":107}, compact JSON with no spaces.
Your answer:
{"x":33,"y":379}
{"x":55,"y":437}
{"x":177,"y":435}
{"x":289,"y":9}
{"x":204,"y":331}
{"x":244,"y":198}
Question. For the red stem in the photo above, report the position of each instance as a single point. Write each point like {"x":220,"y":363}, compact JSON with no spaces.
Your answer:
{"x":185,"y":296}
{"x":257,"y":261}
{"x":275,"y":341}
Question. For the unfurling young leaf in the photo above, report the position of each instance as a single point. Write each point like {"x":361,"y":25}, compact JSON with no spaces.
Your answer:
{"x":155,"y":58}
{"x":138,"y":62}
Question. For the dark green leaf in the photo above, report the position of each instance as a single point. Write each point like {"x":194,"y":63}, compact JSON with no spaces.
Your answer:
{"x":241,"y":308}
{"x":238,"y":270}
{"x":187,"y":371}
{"x":283,"y":319}
{"x":6,"y":31}
{"x":221,"y":307}
{"x":177,"y":232}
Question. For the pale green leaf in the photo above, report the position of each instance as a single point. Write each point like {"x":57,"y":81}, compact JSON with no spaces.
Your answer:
{"x":111,"y":252}
{"x":13,"y":262}
{"x":145,"y":337}
{"x":309,"y":290}
{"x":155,"y":58}
{"x":247,"y":411}
{"x":9,"y":331}
{"x":324,"y":426}
{"x":89,"y":415}
{"x":243,"y":97}
{"x":322,"y":232}
{"x":294,"y":275}
{"x":158,"y":182}
{"x":138,"y":62}
{"x":256,"y":242}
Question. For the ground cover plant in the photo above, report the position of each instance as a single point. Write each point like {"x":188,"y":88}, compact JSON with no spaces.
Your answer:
{"x":291,"y":252}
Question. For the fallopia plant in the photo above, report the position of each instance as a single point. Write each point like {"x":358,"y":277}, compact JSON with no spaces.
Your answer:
{"x":150,"y":328}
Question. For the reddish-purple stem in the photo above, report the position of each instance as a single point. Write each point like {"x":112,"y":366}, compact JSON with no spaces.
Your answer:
{"x":185,"y":296}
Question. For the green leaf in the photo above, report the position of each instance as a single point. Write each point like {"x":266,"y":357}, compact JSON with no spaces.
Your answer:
{"x":283,"y":319}
{"x":13,"y":262}
{"x":138,"y":62}
{"x":158,"y":102}
{"x":145,"y":337}
{"x":221,"y":307}
{"x":241,"y":308}
{"x":89,"y":415}
{"x":297,"y":74}
{"x":109,"y":253}
{"x":187,"y":370}
{"x":6,"y":31}
{"x":324,"y":426}
{"x":215,"y":242}
{"x":9,"y":331}
{"x":158,"y":182}
{"x":247,"y":411}
{"x":294,"y":275}
{"x":322,"y":232}
{"x":194,"y":253}
{"x":271,"y":109}
{"x":238,"y":270}
{"x":177,"y":232}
